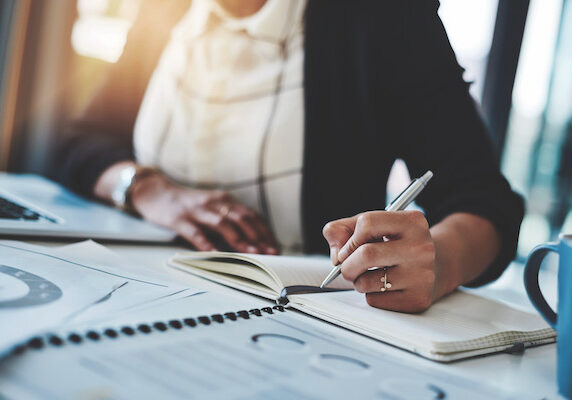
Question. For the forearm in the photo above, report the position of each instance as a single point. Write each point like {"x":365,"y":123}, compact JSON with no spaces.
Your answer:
{"x":465,"y":246}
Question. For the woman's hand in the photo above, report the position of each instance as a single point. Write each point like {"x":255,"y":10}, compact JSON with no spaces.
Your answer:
{"x":208,"y":219}
{"x":401,"y":241}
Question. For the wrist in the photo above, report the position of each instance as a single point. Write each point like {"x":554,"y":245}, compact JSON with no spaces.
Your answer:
{"x":448,"y":276}
{"x":150,"y":184}
{"x":465,"y":246}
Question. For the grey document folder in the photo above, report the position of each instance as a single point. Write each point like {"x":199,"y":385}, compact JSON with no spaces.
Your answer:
{"x":31,"y":205}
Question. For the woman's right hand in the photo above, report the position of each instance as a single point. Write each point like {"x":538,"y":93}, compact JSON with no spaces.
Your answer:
{"x":208,"y":219}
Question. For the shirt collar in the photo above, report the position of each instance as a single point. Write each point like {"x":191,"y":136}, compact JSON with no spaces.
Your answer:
{"x":269,"y":23}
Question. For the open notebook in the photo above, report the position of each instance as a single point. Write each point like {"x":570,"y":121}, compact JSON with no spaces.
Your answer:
{"x":459,"y":326}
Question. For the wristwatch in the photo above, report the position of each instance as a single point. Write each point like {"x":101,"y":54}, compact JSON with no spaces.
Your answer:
{"x":121,"y":194}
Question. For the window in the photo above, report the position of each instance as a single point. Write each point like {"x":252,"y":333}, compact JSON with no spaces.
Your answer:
{"x":101,"y":28}
{"x":470,"y":27}
{"x":539,"y":127}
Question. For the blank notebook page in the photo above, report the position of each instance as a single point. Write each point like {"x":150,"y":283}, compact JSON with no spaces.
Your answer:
{"x":302,"y":270}
{"x":288,"y":269}
{"x":460,"y":316}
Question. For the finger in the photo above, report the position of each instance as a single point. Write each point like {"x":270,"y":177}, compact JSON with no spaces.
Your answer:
{"x":337,"y":234}
{"x":194,"y":235}
{"x":403,"y":277}
{"x":253,"y":228}
{"x":266,"y":238}
{"x":221,"y":225}
{"x":382,"y":254}
{"x":407,"y":301}
{"x":244,"y":223}
{"x":375,"y":280}
{"x":372,"y":226}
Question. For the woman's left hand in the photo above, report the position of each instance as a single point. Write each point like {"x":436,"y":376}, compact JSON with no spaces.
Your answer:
{"x":401,"y":241}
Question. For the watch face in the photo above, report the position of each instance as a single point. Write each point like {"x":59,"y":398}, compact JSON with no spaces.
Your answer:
{"x":22,"y":289}
{"x":119,"y":193}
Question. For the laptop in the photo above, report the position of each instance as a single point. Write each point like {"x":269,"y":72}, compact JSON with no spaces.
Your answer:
{"x":31,"y":205}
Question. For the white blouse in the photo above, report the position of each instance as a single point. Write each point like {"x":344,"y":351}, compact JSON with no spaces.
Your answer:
{"x":224,"y":109}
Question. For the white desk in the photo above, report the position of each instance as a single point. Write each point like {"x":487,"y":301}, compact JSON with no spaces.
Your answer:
{"x":532,"y":373}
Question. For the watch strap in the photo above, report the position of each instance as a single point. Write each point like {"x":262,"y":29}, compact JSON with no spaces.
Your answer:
{"x":128,"y":177}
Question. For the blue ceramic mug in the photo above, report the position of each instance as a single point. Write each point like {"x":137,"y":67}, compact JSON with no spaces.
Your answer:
{"x":562,"y":321}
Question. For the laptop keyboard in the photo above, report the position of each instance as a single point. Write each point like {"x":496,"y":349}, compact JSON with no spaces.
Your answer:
{"x":11,"y":210}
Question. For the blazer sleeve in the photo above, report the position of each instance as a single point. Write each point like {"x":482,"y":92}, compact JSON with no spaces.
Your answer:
{"x":443,"y":132}
{"x":103,"y":134}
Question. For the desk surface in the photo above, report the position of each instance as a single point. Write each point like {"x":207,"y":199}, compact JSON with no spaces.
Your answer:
{"x":533,"y":372}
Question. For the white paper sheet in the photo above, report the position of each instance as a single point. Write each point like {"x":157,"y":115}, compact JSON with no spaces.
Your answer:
{"x":43,"y":288}
{"x":145,"y":287}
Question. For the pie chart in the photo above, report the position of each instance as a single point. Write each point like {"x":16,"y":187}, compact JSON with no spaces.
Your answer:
{"x":20,"y":289}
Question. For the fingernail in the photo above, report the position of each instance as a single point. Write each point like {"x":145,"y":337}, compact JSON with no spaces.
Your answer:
{"x":271,"y":250}
{"x":334,"y":255}
{"x":342,"y":254}
{"x":251,"y":249}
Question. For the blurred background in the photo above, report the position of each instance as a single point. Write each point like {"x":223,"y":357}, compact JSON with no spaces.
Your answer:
{"x":517,"y":54}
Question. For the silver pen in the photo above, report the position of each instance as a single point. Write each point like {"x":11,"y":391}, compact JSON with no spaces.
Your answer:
{"x":400,"y":203}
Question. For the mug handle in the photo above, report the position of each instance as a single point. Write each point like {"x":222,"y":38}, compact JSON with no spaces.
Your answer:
{"x":531,"y":270}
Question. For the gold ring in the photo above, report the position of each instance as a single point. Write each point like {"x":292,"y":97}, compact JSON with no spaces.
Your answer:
{"x":386,"y":284}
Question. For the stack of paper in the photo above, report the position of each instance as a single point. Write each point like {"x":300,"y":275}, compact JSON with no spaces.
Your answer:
{"x":44,"y":288}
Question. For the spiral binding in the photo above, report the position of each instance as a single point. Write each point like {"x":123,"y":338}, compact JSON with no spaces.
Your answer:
{"x":74,"y":338}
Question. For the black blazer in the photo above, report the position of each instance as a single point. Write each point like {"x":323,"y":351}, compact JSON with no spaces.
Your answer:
{"x":381,"y":82}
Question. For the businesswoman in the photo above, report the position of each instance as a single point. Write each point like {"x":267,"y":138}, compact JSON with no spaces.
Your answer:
{"x":250,"y":125}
